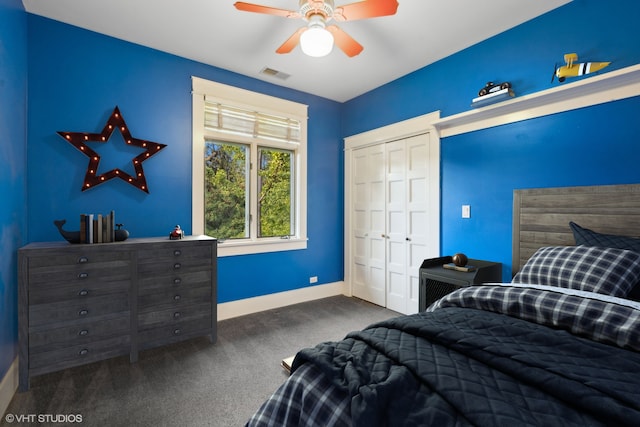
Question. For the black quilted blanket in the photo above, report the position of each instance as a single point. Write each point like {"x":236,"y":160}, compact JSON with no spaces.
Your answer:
{"x":461,"y":366}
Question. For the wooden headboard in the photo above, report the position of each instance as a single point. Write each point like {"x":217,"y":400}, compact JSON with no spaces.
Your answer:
{"x":541,"y":216}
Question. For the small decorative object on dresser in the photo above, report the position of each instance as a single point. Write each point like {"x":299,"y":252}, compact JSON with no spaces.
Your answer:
{"x":78,"y":304}
{"x":70,"y":236}
{"x":177,"y":233}
{"x":120,"y":233}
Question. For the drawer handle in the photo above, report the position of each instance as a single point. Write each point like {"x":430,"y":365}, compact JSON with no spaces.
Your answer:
{"x":83,"y":260}
{"x":177,"y":332}
{"x":177,"y":266}
{"x":83,"y":293}
{"x":83,"y":352}
{"x":177,"y":252}
{"x":83,"y":312}
{"x":177,"y":315}
{"x":177,"y":297}
{"x":83,"y":275}
{"x":83,"y":332}
{"x":177,"y":281}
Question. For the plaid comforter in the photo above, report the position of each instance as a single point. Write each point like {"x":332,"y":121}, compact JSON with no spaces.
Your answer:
{"x":595,"y":316}
{"x":466,"y":363}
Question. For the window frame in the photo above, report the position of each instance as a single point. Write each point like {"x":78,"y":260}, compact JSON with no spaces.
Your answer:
{"x":242,"y":98}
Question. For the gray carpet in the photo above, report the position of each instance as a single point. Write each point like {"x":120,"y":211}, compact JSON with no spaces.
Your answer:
{"x":195,"y":383}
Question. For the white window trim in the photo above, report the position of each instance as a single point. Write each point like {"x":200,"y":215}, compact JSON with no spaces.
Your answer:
{"x":267,"y":104}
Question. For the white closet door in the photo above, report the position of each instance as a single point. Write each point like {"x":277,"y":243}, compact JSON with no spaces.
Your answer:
{"x":369,"y":259}
{"x":392,"y":210}
{"x":407,"y":192}
{"x":419,"y":236}
{"x":396,"y":225}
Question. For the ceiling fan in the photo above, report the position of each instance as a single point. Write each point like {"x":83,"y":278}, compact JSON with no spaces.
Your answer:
{"x":317,"y":39}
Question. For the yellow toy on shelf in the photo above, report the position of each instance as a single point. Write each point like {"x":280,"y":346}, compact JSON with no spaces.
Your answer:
{"x":574,"y":70}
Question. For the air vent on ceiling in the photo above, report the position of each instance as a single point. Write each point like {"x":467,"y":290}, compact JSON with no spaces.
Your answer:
{"x":274,"y":73}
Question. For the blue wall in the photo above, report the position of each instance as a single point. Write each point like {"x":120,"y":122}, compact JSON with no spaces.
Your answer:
{"x":13,"y":84}
{"x":77,"y":77}
{"x":596,"y":145}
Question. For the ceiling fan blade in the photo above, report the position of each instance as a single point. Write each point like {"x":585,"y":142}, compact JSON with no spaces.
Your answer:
{"x":250,"y":7}
{"x":365,"y":9}
{"x":344,"y":41}
{"x":292,"y":42}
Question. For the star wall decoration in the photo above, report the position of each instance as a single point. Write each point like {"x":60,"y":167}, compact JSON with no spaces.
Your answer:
{"x":116,"y":121}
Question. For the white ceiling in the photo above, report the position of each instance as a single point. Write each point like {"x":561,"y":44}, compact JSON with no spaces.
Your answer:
{"x":215,"y":33}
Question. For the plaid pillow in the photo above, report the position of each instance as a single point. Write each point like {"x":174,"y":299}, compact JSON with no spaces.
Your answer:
{"x":607,"y":271}
{"x":584,"y":236}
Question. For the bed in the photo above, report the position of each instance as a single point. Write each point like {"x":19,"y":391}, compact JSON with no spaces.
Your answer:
{"x":559,"y":345}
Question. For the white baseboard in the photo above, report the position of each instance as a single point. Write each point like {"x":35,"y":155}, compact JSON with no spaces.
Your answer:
{"x":232,"y":309}
{"x":8,"y":386}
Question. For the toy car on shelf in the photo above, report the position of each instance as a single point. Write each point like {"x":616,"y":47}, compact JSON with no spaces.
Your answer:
{"x":491,"y":87}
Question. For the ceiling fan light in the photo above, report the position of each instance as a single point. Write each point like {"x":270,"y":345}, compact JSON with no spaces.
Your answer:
{"x":316,"y":42}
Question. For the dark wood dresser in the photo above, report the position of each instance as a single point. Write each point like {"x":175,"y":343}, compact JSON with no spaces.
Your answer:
{"x":80,"y":303}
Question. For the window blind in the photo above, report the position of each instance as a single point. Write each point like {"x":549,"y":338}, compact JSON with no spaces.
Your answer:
{"x":240,"y":121}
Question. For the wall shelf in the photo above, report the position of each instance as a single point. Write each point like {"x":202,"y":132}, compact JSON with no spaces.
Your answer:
{"x":607,"y":87}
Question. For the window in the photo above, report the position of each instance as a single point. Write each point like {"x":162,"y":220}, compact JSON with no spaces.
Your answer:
{"x":249,"y":169}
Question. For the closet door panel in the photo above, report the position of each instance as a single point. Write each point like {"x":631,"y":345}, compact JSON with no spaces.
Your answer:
{"x":368,"y":224}
{"x":396,"y":225}
{"x":417,"y":214}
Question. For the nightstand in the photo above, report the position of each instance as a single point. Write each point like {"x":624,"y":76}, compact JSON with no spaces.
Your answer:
{"x":437,"y":281}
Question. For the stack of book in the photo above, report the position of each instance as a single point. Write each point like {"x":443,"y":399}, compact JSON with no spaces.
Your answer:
{"x":97,"y":228}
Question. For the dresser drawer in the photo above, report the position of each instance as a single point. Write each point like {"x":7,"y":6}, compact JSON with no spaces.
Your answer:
{"x":173,"y":315}
{"x":156,"y":283}
{"x":44,"y":339}
{"x":76,"y":310}
{"x":175,"y":297}
{"x":173,"y":266}
{"x":175,"y":332}
{"x":49,"y":275}
{"x":174,"y":250}
{"x":77,"y":255}
{"x":77,"y":291}
{"x":80,"y":354}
